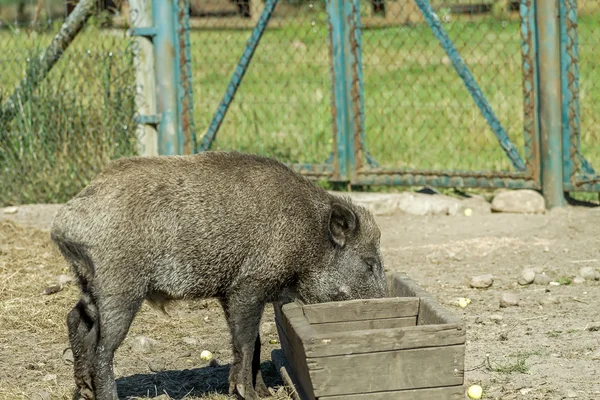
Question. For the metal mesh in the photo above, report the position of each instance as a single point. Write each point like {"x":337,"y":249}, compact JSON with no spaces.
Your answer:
{"x":283,"y":106}
{"x":77,"y":119}
{"x":589,"y":81}
{"x":419,"y":114}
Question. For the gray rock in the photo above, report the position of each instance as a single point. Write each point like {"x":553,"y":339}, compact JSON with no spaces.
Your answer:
{"x":53,"y":289}
{"x":509,"y":300}
{"x":143,"y":344}
{"x":190,"y":341}
{"x":548,"y":300}
{"x":10,"y":210}
{"x":482,"y":281}
{"x":578,"y":280}
{"x":542,"y":279}
{"x":589,"y":274}
{"x":157,"y":365}
{"x":593,"y":327}
{"x":407,"y":202}
{"x":527,"y":277}
{"x":523,"y":201}
{"x":64,"y":279}
{"x":596,"y":355}
{"x":496,"y":318}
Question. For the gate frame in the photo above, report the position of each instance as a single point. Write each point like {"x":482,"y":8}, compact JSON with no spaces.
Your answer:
{"x":550,"y":128}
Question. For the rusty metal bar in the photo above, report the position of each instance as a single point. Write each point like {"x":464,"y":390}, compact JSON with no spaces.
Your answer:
{"x":238,"y":75}
{"x":170,"y":136}
{"x":550,"y":104}
{"x":531,"y":132}
{"x":346,"y":86}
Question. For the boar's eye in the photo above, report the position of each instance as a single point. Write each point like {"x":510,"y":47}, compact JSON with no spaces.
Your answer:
{"x":371,"y":263}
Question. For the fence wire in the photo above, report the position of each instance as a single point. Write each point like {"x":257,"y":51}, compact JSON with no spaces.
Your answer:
{"x":76,"y":120}
{"x":589,"y":81}
{"x":283,"y":107}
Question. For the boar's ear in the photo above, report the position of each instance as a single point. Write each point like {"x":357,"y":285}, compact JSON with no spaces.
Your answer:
{"x":342,"y":223}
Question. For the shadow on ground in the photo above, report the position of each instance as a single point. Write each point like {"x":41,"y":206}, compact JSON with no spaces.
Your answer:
{"x":187,"y":383}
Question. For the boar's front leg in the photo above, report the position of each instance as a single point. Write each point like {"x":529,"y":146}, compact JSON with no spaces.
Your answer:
{"x":244,"y":312}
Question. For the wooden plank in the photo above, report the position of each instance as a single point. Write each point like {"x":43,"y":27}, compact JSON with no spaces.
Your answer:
{"x":358,"y":310}
{"x":386,"y":323}
{"x":386,"y":371}
{"x":443,"y":393}
{"x":293,"y":328}
{"x":287,"y":375}
{"x":430,"y":311}
{"x":369,"y":341}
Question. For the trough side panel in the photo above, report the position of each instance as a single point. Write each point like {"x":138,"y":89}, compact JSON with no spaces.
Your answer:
{"x":293,"y":348}
{"x":387,"y":323}
{"x":386,"y":371}
{"x":383,"y":340}
{"x":357,"y":310}
{"x":430,"y":311}
{"x":445,"y":393}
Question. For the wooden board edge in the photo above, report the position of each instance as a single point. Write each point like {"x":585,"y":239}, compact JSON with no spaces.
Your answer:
{"x":385,"y":340}
{"x":430,"y":311}
{"x":321,"y":312}
{"x":456,"y":392}
{"x":287,"y":375}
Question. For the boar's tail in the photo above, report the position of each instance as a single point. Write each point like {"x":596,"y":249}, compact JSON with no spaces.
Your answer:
{"x":77,"y":257}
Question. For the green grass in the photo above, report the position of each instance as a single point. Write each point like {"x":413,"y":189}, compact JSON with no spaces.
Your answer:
{"x":418,"y":113}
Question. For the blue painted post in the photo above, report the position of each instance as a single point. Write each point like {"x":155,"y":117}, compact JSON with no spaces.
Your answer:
{"x":170,"y":136}
{"x":347,"y":87}
{"x":549,"y":75}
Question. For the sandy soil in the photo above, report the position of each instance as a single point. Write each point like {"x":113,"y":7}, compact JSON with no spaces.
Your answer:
{"x":548,"y":347}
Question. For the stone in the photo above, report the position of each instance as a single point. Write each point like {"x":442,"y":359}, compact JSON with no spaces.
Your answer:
{"x":496,"y":318}
{"x":596,"y":355}
{"x":190,"y":341}
{"x":482,"y":281}
{"x":589,"y":274}
{"x":10,"y":210}
{"x":49,"y":377}
{"x":523,"y":201}
{"x":53,"y":289}
{"x":578,"y":280}
{"x":509,"y":300}
{"x":407,"y":202}
{"x":143,"y":344}
{"x":593,"y":327}
{"x":548,"y":300}
{"x":157,"y":365}
{"x":542,"y":279}
{"x":64,"y":279}
{"x":527,"y":277}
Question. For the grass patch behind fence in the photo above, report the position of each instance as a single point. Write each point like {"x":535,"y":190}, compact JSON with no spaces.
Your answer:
{"x":418,"y":114}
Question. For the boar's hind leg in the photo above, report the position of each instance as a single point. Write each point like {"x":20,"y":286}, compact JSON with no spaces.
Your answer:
{"x":116,"y":314}
{"x":82,"y":323}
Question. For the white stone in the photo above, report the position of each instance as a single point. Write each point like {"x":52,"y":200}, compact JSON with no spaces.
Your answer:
{"x":523,"y":201}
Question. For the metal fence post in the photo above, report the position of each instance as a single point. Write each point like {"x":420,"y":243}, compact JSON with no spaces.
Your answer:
{"x":141,"y":21}
{"x":347,"y":87}
{"x":170,"y":135}
{"x":550,"y":102}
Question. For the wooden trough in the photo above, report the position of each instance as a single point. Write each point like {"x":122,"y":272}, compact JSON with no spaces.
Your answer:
{"x":404,"y":347}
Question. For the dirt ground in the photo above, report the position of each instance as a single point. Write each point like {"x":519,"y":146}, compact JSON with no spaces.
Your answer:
{"x":548,"y":347}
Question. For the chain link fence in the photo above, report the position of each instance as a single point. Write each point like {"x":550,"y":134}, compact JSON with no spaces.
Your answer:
{"x":283,"y":106}
{"x":77,"y":119}
{"x":589,"y":80}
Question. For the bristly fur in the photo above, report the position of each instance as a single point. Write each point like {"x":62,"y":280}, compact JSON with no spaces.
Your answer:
{"x":241,"y":228}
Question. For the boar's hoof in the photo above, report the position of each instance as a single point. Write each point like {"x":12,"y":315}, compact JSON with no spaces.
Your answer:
{"x":244,"y":393}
